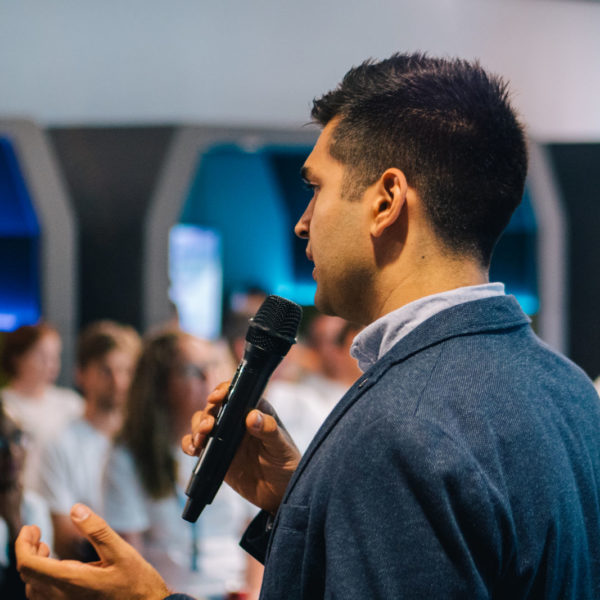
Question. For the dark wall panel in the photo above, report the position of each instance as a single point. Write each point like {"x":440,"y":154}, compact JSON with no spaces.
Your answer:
{"x":111,"y":174}
{"x":577,"y":171}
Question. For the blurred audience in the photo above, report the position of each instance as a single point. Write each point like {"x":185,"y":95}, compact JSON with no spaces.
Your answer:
{"x":147,"y":474}
{"x":18,"y":507}
{"x":247,"y":301}
{"x":72,"y":465}
{"x":241,"y":307}
{"x":326,"y":372}
{"x":313,"y":376}
{"x":31,"y":359}
{"x":330,"y":339}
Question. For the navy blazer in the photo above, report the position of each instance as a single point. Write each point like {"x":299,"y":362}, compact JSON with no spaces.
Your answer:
{"x":464,"y":464}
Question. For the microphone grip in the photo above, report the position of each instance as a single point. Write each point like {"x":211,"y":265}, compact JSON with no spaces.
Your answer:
{"x":244,"y":393}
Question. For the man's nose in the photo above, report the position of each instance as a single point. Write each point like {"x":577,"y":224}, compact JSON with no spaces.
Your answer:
{"x":302,"y":227}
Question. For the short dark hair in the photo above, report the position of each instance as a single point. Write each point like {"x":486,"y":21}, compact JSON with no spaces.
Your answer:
{"x":101,"y":337}
{"x":448,"y":125}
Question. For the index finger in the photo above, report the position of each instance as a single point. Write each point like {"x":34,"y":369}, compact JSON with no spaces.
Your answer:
{"x":214,"y":400}
{"x":30,"y":543}
{"x":30,"y":562}
{"x":203,"y":421}
{"x":28,"y":540}
{"x":216,"y":397}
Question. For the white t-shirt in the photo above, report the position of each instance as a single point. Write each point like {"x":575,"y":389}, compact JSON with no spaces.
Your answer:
{"x":72,"y":466}
{"x":41,"y":418}
{"x":303,"y":406}
{"x":34,"y":511}
{"x":169,"y":540}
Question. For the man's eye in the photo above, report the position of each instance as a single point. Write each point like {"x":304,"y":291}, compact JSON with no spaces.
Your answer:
{"x":311,"y":187}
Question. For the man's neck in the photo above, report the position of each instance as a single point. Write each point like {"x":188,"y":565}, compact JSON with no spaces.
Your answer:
{"x":429,"y":275}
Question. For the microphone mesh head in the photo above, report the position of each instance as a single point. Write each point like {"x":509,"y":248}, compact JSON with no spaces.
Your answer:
{"x":275,"y":325}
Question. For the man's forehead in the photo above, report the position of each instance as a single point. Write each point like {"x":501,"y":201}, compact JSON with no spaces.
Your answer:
{"x":319,"y":152}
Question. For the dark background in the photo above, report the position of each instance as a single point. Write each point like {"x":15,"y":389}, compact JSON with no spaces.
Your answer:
{"x":111,"y":174}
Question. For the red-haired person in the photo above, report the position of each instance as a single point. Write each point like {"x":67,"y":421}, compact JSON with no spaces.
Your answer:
{"x":31,"y":360}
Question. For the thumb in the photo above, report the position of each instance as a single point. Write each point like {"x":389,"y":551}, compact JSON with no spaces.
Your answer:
{"x":108,"y":544}
{"x":273,"y":436}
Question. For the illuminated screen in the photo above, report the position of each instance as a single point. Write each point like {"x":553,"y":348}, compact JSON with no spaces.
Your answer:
{"x":196,"y":277}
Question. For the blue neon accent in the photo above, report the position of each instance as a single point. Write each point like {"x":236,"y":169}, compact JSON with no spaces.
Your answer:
{"x":19,"y":245}
{"x":254,"y":198}
{"x":238,"y":194}
{"x":515,"y":258}
{"x":18,"y":216}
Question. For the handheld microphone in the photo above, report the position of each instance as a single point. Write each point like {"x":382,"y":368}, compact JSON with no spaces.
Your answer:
{"x":270,"y":335}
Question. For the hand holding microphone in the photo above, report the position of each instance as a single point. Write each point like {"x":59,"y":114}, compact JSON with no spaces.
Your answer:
{"x":259,"y":465}
{"x":267,"y":456}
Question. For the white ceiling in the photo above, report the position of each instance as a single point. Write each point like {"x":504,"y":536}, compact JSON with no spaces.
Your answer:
{"x":262,"y":61}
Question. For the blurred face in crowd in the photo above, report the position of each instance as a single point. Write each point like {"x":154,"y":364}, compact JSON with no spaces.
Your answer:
{"x":189,"y":383}
{"x":324,"y":338}
{"x":12,"y":453}
{"x":41,"y":363}
{"x":105,"y":381}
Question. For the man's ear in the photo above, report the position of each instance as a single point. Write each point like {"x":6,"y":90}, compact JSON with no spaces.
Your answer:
{"x":388,"y":201}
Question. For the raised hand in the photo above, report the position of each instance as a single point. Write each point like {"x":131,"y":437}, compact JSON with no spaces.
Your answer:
{"x":120,"y":573}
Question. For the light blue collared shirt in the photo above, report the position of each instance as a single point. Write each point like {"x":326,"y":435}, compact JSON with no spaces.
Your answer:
{"x":381,"y":335}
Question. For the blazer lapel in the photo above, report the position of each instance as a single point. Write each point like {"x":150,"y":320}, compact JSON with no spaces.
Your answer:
{"x":489,"y":314}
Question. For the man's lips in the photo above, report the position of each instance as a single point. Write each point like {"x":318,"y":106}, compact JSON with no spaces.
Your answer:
{"x":310,"y":258}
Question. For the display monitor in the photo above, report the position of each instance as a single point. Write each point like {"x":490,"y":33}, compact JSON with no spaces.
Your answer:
{"x":196,"y":279}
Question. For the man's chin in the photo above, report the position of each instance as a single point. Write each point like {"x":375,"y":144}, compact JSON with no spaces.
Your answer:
{"x":323,"y":305}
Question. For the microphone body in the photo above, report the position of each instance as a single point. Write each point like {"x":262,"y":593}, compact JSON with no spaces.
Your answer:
{"x":270,"y":335}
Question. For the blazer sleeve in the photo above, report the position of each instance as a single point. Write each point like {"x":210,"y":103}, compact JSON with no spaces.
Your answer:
{"x":256,"y":537}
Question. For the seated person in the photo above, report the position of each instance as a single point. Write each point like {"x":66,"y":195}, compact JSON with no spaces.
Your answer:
{"x":147,"y":474}
{"x":31,"y":360}
{"x":72,"y":465}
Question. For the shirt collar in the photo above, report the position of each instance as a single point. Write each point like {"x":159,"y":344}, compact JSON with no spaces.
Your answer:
{"x":381,"y":335}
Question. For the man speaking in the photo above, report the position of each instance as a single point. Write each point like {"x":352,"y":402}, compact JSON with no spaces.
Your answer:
{"x":465,"y":462}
